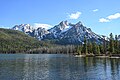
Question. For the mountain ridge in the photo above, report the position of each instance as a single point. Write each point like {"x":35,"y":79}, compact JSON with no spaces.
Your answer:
{"x":64,"y":32}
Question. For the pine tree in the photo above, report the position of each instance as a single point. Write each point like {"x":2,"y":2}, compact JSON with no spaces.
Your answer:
{"x":94,"y":49}
{"x":101,"y":48}
{"x":111,"y":44}
{"x":116,"y":44}
{"x":98,"y":49}
{"x":104,"y":46}
{"x":89,"y":47}
{"x":85,"y":46}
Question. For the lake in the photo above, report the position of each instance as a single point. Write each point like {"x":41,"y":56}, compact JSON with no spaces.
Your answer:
{"x":57,"y":67}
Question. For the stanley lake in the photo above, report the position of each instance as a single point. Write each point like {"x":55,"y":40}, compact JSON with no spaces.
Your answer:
{"x":57,"y":67}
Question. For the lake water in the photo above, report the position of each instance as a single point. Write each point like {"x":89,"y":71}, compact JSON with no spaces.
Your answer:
{"x":57,"y":67}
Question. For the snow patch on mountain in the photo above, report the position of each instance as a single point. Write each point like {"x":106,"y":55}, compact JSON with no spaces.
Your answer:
{"x":66,"y":29}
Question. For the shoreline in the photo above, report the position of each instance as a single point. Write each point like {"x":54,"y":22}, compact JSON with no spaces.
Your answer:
{"x":98,"y":56}
{"x":88,"y":55}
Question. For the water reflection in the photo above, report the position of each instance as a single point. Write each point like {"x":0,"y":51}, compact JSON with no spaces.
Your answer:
{"x":114,"y":69}
{"x":57,"y":67}
{"x":36,"y":68}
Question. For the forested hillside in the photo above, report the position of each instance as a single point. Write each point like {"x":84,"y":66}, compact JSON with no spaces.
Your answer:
{"x":12,"y":41}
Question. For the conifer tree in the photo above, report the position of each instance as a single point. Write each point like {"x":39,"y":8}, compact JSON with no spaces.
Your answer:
{"x":101,"y":49}
{"x":104,"y":46}
{"x":85,"y":46}
{"x":116,"y":44}
{"x":89,"y":47}
{"x":94,"y":49}
{"x":98,"y":49}
{"x":111,"y":44}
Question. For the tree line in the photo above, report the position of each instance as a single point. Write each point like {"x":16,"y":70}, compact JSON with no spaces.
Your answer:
{"x":108,"y":47}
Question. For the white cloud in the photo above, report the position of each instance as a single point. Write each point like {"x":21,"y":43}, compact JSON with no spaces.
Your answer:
{"x":46,"y":26}
{"x":110,"y":17}
{"x":75,"y":15}
{"x":114,"y":16}
{"x":103,"y":20}
{"x":95,"y":10}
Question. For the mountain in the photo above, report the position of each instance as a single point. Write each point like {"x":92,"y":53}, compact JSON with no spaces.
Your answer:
{"x":38,"y":32}
{"x":63,"y":33}
{"x":68,"y":33}
{"x":12,"y":41}
{"x":26,"y":28}
{"x":57,"y":30}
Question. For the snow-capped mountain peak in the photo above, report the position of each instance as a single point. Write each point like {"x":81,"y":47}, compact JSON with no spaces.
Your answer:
{"x":23,"y":27}
{"x":62,"y":25}
{"x":66,"y":33}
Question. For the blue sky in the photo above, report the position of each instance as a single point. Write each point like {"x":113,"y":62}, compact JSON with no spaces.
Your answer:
{"x":102,"y":16}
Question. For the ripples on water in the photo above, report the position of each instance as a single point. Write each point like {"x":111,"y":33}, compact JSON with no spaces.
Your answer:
{"x":57,"y":67}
